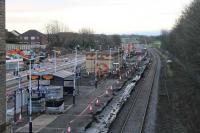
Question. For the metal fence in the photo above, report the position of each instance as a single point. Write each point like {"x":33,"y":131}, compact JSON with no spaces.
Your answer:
{"x":23,"y":46}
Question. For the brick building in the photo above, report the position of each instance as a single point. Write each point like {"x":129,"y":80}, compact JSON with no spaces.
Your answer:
{"x":32,"y":37}
{"x":12,"y":36}
{"x":2,"y":68}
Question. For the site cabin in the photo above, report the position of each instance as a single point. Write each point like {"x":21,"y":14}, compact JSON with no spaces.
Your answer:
{"x":54,"y":99}
{"x":47,"y":99}
{"x":65,"y":79}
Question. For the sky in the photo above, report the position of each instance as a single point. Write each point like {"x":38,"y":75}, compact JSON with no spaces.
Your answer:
{"x":102,"y":16}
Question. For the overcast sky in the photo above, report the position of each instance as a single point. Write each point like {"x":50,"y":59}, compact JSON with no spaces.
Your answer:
{"x":103,"y":16}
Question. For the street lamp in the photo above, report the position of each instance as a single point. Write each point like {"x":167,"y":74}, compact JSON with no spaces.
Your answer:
{"x":110,"y":59}
{"x":75,"y":65}
{"x":55,"y":59}
{"x":30,"y":95}
{"x":19,"y":89}
{"x":19,"y":86}
{"x":30,"y":99}
{"x":118,"y":55}
{"x":96,"y":63}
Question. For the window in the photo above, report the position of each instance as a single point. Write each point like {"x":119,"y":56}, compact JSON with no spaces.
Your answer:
{"x":32,"y":38}
{"x":25,"y":38}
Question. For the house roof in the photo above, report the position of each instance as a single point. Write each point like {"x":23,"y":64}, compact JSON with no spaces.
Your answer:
{"x":16,"y":33}
{"x":32,"y":33}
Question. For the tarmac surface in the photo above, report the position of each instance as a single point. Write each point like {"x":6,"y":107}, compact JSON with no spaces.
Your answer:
{"x":78,"y":116}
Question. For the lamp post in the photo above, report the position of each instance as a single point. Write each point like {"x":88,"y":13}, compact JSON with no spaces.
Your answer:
{"x":118,"y":55}
{"x":55,"y":63}
{"x":15,"y":92}
{"x":110,"y":60}
{"x":30,"y":99}
{"x":19,"y":86}
{"x":30,"y":95}
{"x":75,"y":65}
{"x":96,"y":63}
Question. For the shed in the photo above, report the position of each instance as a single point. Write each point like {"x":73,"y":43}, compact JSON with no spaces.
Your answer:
{"x":64,"y":78}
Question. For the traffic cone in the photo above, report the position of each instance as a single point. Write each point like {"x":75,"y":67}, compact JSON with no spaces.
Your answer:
{"x":97,"y":102}
{"x":107,"y":93}
{"x":68,"y":129}
{"x":20,"y":118}
{"x":111,"y":88}
{"x":90,"y":110}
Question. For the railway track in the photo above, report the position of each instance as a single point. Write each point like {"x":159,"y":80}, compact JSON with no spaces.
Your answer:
{"x":149,"y":97}
{"x":131,"y":118}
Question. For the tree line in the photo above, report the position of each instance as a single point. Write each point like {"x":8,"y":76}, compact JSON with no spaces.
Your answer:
{"x":59,"y":35}
{"x":183,"y":41}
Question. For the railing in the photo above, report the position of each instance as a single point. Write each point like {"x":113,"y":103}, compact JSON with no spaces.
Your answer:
{"x":23,"y":46}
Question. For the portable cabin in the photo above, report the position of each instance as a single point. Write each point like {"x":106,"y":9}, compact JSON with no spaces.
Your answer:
{"x":64,"y":78}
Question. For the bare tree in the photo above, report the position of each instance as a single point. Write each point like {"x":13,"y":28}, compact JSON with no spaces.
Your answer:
{"x":87,"y":36}
{"x":86,"y":31}
{"x":53,"y":29}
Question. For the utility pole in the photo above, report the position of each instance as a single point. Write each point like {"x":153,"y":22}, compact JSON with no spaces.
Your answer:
{"x":75,"y":65}
{"x":15,"y":119}
{"x":30,"y":99}
{"x":19,"y":86}
{"x":119,"y":63}
{"x":95,"y":72}
{"x":118,"y":56}
{"x":55,"y":61}
{"x":110,"y":60}
{"x":30,"y":94}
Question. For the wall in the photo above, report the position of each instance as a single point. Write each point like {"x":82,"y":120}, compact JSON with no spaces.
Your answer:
{"x":2,"y":68}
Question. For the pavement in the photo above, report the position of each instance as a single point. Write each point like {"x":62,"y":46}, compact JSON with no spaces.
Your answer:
{"x":77,"y":116}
